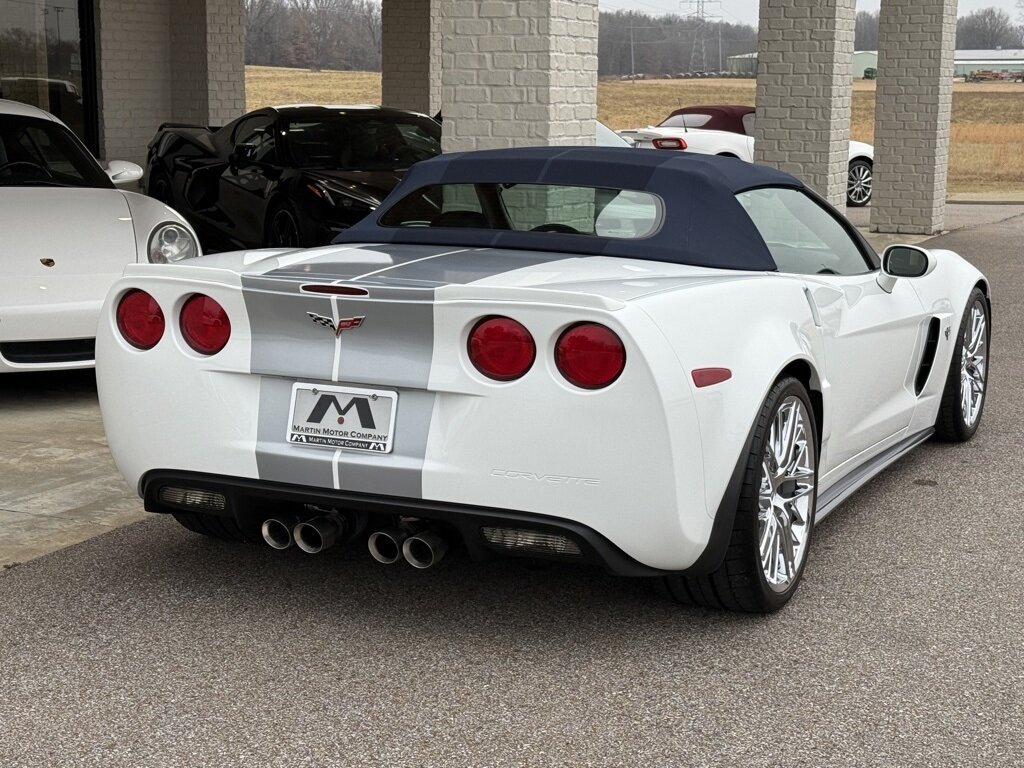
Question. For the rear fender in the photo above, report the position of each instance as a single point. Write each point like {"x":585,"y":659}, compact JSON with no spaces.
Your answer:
{"x":755,"y":326}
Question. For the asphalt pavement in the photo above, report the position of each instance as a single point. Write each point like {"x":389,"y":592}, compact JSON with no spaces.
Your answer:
{"x":151,"y":646}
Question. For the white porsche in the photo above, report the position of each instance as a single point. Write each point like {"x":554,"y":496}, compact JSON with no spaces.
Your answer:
{"x":668,"y":365}
{"x":728,"y":131}
{"x":66,"y":234}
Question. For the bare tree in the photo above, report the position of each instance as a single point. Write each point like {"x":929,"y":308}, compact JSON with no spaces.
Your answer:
{"x":320,"y":22}
{"x":866,"y":36}
{"x":260,"y":17}
{"x":987,"y":28}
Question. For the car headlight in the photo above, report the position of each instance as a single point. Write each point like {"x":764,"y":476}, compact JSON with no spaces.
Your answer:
{"x":170,"y":243}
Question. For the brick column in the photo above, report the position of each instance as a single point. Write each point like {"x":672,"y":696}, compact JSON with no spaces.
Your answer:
{"x":912,"y":113}
{"x":518,"y":73}
{"x":804,"y":91}
{"x":411,"y":55}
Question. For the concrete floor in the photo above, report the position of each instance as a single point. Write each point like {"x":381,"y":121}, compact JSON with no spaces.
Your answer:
{"x":150,"y":646}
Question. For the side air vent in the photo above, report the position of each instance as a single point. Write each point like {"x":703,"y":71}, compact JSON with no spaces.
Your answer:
{"x":930,"y":346}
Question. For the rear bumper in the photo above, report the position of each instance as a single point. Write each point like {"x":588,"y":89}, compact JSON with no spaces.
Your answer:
{"x":249,"y":502}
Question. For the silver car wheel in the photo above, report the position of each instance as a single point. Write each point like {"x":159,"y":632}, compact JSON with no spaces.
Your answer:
{"x":974,"y":365}
{"x":786,"y":499}
{"x":858,"y":185}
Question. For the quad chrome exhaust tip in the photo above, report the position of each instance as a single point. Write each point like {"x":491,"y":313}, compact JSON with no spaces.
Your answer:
{"x":424,"y":550}
{"x":386,"y":546}
{"x":314,"y":536}
{"x":277,"y":532}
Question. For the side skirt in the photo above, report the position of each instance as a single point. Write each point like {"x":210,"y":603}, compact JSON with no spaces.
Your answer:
{"x":850,"y":483}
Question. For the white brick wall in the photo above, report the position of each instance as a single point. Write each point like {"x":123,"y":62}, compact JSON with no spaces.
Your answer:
{"x":912,"y":114}
{"x":411,"y":55}
{"x":804,"y":91}
{"x":518,"y":73}
{"x":162,"y":60}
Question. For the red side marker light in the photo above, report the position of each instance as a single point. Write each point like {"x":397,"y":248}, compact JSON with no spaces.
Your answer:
{"x":707,"y":377}
{"x":669,"y":144}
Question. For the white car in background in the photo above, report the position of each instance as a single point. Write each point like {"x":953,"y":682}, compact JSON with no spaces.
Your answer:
{"x":66,"y":235}
{"x":729,"y":131}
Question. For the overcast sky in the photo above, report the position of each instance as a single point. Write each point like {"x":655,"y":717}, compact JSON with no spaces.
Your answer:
{"x":746,"y":10}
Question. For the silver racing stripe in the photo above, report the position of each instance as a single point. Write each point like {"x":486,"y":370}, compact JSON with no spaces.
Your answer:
{"x":390,"y":348}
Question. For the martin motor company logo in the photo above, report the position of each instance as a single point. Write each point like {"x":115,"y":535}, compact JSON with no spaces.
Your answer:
{"x":343,"y":324}
{"x":342,"y":420}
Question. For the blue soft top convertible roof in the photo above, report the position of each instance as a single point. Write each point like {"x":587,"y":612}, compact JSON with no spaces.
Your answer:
{"x":704,"y":223}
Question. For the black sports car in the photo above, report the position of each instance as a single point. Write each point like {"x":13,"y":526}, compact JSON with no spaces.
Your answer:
{"x":286,"y":176}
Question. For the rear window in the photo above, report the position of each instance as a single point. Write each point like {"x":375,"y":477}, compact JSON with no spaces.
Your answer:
{"x":594,"y":211}
{"x":689,"y":120}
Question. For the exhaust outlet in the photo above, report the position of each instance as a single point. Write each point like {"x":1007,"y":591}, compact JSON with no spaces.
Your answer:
{"x":386,"y":546}
{"x":277,"y":532}
{"x":424,"y":550}
{"x":314,"y":536}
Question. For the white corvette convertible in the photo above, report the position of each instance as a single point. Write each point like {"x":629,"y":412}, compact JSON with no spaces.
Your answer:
{"x":665,"y":364}
{"x":66,"y":234}
{"x":728,"y":131}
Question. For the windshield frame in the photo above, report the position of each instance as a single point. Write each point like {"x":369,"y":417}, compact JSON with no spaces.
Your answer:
{"x":93,"y":176}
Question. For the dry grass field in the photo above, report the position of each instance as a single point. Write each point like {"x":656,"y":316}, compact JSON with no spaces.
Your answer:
{"x":987,"y":152}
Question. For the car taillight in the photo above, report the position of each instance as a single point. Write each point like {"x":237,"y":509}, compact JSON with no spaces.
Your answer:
{"x":205,"y":325}
{"x":669,"y":144}
{"x":140,"y":319}
{"x":501,"y":349}
{"x":590,"y":356}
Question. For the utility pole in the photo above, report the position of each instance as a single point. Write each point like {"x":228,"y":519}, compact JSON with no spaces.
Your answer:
{"x":632,"y":54}
{"x":701,"y":11}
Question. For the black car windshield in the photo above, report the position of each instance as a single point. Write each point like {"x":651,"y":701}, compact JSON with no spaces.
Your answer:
{"x":35,"y":152}
{"x":374,"y":142}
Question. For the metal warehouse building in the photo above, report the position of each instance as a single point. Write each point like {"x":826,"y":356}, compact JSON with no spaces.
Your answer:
{"x":997,"y":60}
{"x":504,"y":73}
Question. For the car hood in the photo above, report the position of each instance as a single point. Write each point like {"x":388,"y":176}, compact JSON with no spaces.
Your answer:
{"x":370,"y":186}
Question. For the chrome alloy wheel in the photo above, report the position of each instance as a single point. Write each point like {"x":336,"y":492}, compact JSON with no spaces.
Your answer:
{"x":974,"y":365}
{"x":786,"y":500}
{"x":858,"y":183}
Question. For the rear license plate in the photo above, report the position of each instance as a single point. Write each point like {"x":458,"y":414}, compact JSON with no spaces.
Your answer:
{"x":348,"y":418}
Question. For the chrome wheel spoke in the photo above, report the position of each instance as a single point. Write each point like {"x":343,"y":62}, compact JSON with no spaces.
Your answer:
{"x":973,"y":365}
{"x":786,"y":497}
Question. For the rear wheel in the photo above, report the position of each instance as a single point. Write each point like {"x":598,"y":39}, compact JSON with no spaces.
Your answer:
{"x":859,"y":183}
{"x":963,"y":399}
{"x":214,"y":526}
{"x":282,"y":228}
{"x":775,"y":516}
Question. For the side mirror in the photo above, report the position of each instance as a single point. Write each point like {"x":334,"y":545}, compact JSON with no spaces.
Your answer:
{"x":244,"y":154}
{"x":123,"y":172}
{"x":906,"y":261}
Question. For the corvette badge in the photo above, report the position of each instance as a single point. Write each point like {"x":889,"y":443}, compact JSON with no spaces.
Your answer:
{"x":343,"y":324}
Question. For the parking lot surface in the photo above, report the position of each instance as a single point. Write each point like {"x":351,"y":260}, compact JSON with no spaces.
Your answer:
{"x":151,"y":646}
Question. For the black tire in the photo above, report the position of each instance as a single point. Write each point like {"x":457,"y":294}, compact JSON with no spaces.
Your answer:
{"x":214,"y":526}
{"x":951,"y":424}
{"x":739,"y":583}
{"x":159,"y":187}
{"x":861,"y":171}
{"x":282,"y":228}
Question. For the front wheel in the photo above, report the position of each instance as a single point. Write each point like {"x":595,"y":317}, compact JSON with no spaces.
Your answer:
{"x":859,"y":183}
{"x":963,"y":399}
{"x":775,"y":516}
{"x":282,"y":228}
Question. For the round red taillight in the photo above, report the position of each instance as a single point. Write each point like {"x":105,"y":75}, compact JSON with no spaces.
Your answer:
{"x":589,"y":355}
{"x":140,"y":319}
{"x":205,"y":325}
{"x":501,"y":349}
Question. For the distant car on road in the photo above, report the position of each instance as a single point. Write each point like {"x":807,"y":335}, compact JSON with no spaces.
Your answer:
{"x":289,"y":176}
{"x":729,"y":131}
{"x":66,"y":234}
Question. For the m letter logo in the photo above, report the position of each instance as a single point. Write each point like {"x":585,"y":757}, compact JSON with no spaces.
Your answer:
{"x":327,"y":402}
